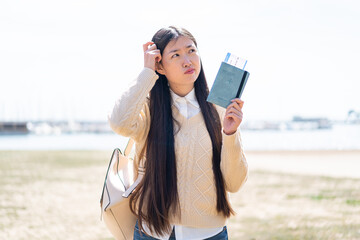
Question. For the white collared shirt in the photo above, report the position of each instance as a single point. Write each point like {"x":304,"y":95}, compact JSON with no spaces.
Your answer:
{"x":188,"y":106}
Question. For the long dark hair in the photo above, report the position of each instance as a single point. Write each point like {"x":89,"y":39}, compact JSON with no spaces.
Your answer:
{"x":157,"y":195}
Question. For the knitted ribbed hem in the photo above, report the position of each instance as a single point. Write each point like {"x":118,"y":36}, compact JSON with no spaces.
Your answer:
{"x":231,"y":139}
{"x":201,"y":221}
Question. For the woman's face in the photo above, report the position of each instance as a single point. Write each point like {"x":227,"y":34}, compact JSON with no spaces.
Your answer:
{"x":180,"y":63}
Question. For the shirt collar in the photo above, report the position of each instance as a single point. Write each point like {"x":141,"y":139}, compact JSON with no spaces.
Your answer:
{"x":190,"y":98}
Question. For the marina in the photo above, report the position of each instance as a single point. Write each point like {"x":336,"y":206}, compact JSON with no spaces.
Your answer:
{"x":338,"y":137}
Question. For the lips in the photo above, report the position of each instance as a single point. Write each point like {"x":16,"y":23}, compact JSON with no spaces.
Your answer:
{"x":190,"y":71}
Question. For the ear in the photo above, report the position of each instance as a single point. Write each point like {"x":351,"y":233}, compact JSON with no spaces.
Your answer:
{"x":159,"y":68}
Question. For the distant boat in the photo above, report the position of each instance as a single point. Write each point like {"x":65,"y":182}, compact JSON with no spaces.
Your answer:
{"x":13,"y":128}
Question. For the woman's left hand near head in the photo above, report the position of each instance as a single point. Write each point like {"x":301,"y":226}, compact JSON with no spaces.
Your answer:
{"x":233,"y":116}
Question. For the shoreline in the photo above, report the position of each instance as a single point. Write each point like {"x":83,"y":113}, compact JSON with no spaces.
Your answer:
{"x":327,"y":163}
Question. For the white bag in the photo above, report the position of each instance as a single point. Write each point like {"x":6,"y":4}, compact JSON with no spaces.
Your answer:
{"x":118,"y":185}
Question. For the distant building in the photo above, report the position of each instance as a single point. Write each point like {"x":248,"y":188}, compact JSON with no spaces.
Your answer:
{"x":353,"y":117}
{"x":311,"y":123}
{"x":13,"y":128}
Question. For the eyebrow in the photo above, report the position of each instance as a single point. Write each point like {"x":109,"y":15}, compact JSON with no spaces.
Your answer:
{"x":175,"y":50}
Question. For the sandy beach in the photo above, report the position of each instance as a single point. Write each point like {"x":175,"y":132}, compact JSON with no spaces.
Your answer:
{"x":320,"y":163}
{"x":289,"y":195}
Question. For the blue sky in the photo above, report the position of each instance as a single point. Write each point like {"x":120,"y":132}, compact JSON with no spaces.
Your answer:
{"x":69,"y":60}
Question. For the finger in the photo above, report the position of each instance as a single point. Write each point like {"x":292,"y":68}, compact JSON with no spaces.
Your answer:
{"x":152,"y":47}
{"x":235,"y":117}
{"x":233,"y":110}
{"x":234,"y":105}
{"x":146,"y":45}
{"x":239,"y":101}
{"x":155,"y":54}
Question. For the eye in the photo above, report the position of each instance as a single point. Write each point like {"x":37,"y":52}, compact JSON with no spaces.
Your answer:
{"x":192,"y":50}
{"x":175,"y":55}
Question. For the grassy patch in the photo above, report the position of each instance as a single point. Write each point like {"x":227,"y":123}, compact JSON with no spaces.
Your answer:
{"x":320,"y":197}
{"x":27,"y":167}
{"x":353,"y":202}
{"x":284,"y":227}
{"x":52,"y":159}
{"x":292,"y":196}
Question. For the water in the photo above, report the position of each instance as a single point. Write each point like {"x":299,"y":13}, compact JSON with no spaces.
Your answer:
{"x":340,"y":137}
{"x":62,"y":142}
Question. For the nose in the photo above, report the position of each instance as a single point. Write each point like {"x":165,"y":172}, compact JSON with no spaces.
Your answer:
{"x":187,"y":62}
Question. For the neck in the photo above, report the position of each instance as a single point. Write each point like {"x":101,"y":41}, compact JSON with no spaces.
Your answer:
{"x":181,"y":90}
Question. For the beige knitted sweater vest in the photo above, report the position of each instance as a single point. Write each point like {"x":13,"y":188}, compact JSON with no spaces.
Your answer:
{"x":130,"y":117}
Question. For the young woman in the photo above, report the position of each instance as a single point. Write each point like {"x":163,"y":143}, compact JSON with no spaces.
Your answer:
{"x":191,"y":149}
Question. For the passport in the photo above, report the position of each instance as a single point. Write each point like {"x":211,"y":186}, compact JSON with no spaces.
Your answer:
{"x":230,"y":81}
